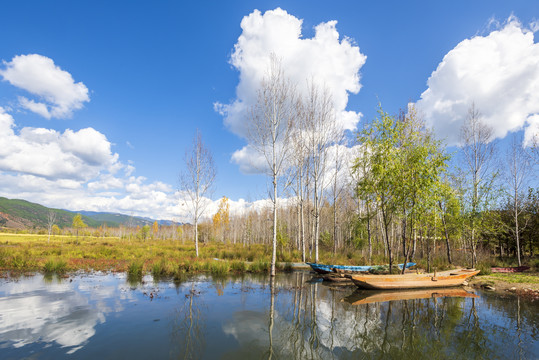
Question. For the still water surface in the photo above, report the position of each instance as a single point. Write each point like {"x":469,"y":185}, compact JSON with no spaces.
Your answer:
{"x":103,"y":316}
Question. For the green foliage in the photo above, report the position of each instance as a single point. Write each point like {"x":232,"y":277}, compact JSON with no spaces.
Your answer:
{"x":161,"y":269}
{"x":49,"y":266}
{"x":484,"y":267}
{"x":219,"y":268}
{"x":135,"y":270}
{"x":144,"y":232}
{"x":78,"y":223}
{"x":325,"y":239}
{"x":282,"y":238}
{"x":259,"y":266}
{"x":238,"y":266}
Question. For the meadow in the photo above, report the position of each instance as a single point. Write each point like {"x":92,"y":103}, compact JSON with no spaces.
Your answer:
{"x":63,"y":253}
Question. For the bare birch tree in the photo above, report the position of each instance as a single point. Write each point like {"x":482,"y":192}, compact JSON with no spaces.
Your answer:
{"x":478,"y":149}
{"x":519,"y":168}
{"x":197,"y":180}
{"x":269,"y":131}
{"x":300,"y":167}
{"x":51,"y":218}
{"x":337,"y":187}
{"x":321,"y":133}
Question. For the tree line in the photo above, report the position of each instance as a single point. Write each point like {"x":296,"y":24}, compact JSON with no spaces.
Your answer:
{"x":402,"y":196}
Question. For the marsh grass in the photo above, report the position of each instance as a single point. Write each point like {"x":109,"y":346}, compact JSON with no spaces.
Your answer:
{"x":259,"y":267}
{"x":238,"y":266}
{"x":55,"y":266}
{"x":162,"y":258}
{"x":219,"y":268}
{"x":135,"y":271}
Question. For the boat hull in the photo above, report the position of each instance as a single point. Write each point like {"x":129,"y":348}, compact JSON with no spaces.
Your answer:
{"x":326,"y":269}
{"x":369,"y":296}
{"x":412,"y":281}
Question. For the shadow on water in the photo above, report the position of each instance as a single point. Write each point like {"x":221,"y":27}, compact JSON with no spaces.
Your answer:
{"x":254,"y":316}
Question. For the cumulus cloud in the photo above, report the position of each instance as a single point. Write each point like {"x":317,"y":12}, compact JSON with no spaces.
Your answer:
{"x":71,"y":155}
{"x":329,"y":60}
{"x":498,"y":72}
{"x":58,"y":93}
{"x":77,"y":170}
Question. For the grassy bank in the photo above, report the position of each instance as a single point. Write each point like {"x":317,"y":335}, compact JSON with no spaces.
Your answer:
{"x":24,"y":253}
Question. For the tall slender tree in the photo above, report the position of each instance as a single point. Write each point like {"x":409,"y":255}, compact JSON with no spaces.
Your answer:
{"x":51,"y":218}
{"x":269,"y":132}
{"x":478,"y":149}
{"x":197,"y":180}
{"x":321,"y":132}
{"x":519,"y":168}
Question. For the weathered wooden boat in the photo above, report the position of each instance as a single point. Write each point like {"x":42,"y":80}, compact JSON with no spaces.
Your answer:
{"x":512,"y":269}
{"x":412,"y":281}
{"x":326,"y":269}
{"x":373,"y":296}
{"x":336,"y":278}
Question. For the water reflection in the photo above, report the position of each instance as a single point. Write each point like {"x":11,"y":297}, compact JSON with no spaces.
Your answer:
{"x":255,"y":317}
{"x":50,"y":310}
{"x":360,"y":297}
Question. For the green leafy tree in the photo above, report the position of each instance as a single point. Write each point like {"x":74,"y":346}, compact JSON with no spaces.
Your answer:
{"x":380,"y":140}
{"x":401,"y":165}
{"x":78,"y":223}
{"x":144,"y":232}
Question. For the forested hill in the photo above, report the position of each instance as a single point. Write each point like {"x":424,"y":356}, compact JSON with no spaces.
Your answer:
{"x":22,"y":214}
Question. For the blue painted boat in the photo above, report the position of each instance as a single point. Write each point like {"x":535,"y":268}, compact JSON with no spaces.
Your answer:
{"x":326,"y":269}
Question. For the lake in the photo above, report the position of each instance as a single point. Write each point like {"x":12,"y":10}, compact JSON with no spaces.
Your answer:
{"x":105,"y":316}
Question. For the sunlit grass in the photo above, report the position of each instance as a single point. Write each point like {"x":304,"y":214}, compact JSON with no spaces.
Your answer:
{"x":161,"y":258}
{"x":513,"y":278}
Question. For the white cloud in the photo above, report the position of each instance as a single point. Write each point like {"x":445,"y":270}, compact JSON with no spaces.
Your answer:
{"x":37,"y":74}
{"x":73,"y":155}
{"x":330,"y":61}
{"x":498,"y":72}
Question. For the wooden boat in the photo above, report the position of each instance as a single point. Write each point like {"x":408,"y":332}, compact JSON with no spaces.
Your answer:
{"x":326,"y":269}
{"x":512,"y":269}
{"x":412,"y":281}
{"x":370,"y":296}
{"x":336,"y":278}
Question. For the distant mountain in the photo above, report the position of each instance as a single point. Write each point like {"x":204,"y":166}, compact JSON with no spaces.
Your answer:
{"x":114,"y":218}
{"x":22,"y":214}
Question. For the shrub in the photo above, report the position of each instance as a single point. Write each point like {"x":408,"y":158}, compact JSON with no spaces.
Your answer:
{"x":259,"y":266}
{"x":159,"y":269}
{"x":48,"y":267}
{"x":60,"y":267}
{"x":18,"y":262}
{"x":238,"y":266}
{"x":485,"y":268}
{"x":219,"y":268}
{"x":134,"y":270}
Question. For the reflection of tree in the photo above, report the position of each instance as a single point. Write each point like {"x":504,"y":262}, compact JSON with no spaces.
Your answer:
{"x":271,"y":314}
{"x":309,"y":321}
{"x":187,"y":327}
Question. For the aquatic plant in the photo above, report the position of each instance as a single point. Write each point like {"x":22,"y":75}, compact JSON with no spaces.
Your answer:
{"x":134,"y":270}
{"x":238,"y":266}
{"x":219,"y":268}
{"x":259,"y":266}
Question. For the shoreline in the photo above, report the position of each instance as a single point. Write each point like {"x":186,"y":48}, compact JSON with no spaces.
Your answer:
{"x":522,"y":284}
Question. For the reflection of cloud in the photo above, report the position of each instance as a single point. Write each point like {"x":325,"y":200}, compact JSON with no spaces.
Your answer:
{"x":51,"y":313}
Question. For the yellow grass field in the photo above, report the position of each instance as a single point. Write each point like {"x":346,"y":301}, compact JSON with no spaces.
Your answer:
{"x":30,"y":252}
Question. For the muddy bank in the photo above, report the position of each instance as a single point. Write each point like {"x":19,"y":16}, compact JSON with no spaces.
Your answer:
{"x":524,"y":284}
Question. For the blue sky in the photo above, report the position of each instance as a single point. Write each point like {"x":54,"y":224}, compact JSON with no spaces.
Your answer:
{"x":153,"y":72}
